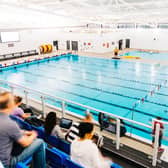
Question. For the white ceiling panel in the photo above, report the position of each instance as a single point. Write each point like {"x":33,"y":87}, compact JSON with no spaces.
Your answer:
{"x":62,"y":13}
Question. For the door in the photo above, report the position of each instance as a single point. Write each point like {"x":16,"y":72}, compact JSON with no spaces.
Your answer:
{"x":55,"y":43}
{"x":127,"y":43}
{"x":120,"y":44}
{"x":74,"y":45}
{"x":68,"y":45}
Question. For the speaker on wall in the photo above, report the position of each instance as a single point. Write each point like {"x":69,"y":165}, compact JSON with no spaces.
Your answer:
{"x":55,"y":43}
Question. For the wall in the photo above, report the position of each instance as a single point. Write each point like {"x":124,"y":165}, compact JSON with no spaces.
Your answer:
{"x":149,"y":39}
{"x":29,"y":39}
{"x":32,"y":39}
{"x":143,"y":39}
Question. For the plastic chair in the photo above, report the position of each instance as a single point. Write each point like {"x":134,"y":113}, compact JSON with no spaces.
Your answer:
{"x":114,"y":165}
{"x":40,"y":131}
{"x":57,"y":143}
{"x":55,"y":158}
{"x":24,"y":164}
{"x":64,"y":146}
{"x":64,"y":155}
{"x":70,"y":164}
{"x":52,"y":140}
{"x":21,"y":165}
{"x":21,"y":123}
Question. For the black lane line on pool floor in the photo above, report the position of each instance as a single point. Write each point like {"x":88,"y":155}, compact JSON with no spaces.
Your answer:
{"x":112,"y":77}
{"x":68,"y":63}
{"x":123,"y":79}
{"x":130,"y":69}
{"x":109,"y":84}
{"x":53,"y":67}
{"x":161,"y":74}
{"x":96,"y":89}
{"x":105,"y":102}
{"x":106,"y":76}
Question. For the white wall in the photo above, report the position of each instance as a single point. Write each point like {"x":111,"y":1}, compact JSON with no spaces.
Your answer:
{"x":149,"y":39}
{"x":143,"y":39}
{"x":32,"y":39}
{"x":29,"y":39}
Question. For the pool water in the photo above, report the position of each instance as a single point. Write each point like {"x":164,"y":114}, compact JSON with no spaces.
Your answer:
{"x":110,"y":85}
{"x":148,"y":55}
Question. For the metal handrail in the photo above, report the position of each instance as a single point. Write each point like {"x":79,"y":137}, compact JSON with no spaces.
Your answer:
{"x":28,"y":90}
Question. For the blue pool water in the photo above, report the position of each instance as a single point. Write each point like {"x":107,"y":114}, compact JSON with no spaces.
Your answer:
{"x":148,"y":55}
{"x":109,"y":85}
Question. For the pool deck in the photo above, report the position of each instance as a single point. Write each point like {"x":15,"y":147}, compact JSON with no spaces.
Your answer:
{"x":107,"y":55}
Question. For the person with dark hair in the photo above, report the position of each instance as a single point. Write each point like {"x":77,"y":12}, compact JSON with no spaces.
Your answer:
{"x":18,"y":111}
{"x":51,"y":127}
{"x":85,"y":152}
{"x":11,"y":133}
{"x":73,"y":132}
{"x":160,"y":133}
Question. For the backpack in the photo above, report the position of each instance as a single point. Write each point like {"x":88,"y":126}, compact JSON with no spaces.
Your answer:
{"x":33,"y":120}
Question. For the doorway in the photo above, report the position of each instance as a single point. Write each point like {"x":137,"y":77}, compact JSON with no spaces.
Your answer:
{"x":127,"y":43}
{"x":55,"y":44}
{"x":68,"y":45}
{"x":120,"y":44}
{"x":74,"y":45}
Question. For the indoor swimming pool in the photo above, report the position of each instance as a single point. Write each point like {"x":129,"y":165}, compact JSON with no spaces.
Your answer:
{"x":110,"y":85}
{"x":148,"y":55}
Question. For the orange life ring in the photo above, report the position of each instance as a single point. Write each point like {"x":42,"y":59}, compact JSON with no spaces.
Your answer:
{"x":49,"y":48}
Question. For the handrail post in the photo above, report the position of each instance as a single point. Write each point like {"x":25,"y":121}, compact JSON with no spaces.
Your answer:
{"x":118,"y":134}
{"x":26,"y":98}
{"x":12,"y":89}
{"x":43,"y":106}
{"x":156,"y":145}
{"x":63,"y":108}
{"x":87,"y":111}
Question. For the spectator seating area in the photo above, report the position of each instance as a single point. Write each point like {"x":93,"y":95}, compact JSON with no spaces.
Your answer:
{"x":18,"y":55}
{"x":57,"y":150}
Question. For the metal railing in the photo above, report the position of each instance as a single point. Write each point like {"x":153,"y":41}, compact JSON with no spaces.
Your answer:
{"x":18,"y":54}
{"x":5,"y":85}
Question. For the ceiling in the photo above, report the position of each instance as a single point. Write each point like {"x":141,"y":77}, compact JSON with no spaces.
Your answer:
{"x":61,"y":13}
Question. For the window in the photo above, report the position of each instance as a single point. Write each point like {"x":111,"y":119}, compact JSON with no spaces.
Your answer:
{"x":9,"y":37}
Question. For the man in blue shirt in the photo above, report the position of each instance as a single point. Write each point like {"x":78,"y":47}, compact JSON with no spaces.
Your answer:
{"x":10,"y":133}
